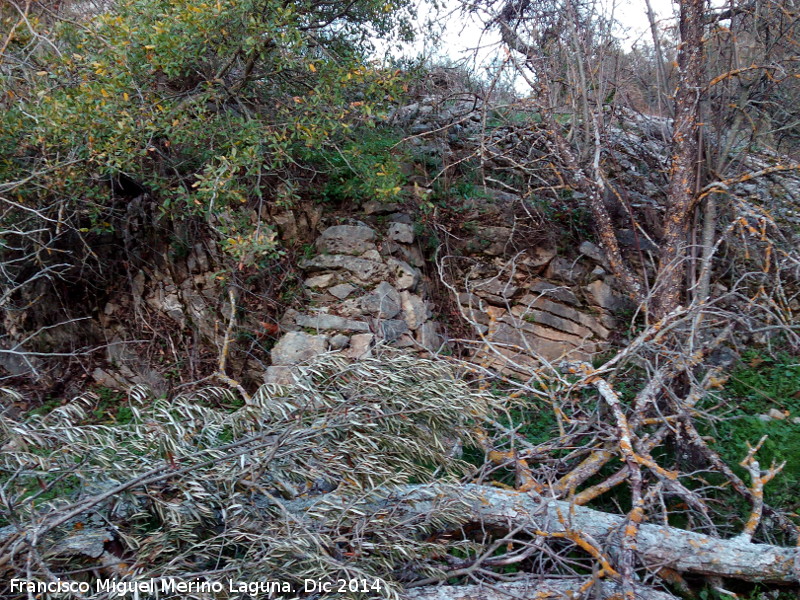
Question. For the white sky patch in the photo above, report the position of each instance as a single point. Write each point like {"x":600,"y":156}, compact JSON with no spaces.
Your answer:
{"x":462,"y":37}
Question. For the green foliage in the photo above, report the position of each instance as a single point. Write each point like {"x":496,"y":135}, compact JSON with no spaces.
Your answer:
{"x":213,"y":108}
{"x":364,"y":167}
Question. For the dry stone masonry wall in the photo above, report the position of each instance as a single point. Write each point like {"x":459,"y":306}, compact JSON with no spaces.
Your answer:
{"x":362,"y":288}
{"x":364,"y":285}
{"x":529,"y":311}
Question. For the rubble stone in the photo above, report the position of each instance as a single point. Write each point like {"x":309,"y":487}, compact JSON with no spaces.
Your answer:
{"x":401,"y":232}
{"x":383,"y":302}
{"x":406,"y":276}
{"x":319,"y":281}
{"x":342,"y":291}
{"x":296,"y":347}
{"x":415,"y":309}
{"x":360,"y":346}
{"x":323,"y":321}
{"x":363,"y":270}
{"x":346,"y":239}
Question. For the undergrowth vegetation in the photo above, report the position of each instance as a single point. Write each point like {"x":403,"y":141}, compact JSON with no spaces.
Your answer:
{"x":136,"y":121}
{"x":762,"y":398}
{"x":188,"y":488}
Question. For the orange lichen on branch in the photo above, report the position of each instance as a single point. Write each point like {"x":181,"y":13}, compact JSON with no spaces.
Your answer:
{"x":759,"y":480}
{"x":525,"y":482}
{"x":586,"y":469}
{"x":583,"y":542}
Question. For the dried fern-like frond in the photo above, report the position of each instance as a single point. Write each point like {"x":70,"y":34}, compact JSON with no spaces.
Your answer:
{"x":186,"y":488}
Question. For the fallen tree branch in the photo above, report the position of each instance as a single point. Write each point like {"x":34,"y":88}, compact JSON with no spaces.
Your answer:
{"x":657,"y":545}
{"x":540,"y":589}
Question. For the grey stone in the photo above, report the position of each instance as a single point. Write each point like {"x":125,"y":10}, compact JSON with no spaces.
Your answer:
{"x":342,"y":291}
{"x":428,"y":336}
{"x":605,"y":297}
{"x":296,"y":347}
{"x":375,"y":207}
{"x":529,"y":318}
{"x":197,"y":261}
{"x":360,"y":346}
{"x":420,"y":128}
{"x":556,"y":292}
{"x":287,"y":225}
{"x":404,"y":341}
{"x":108,"y":380}
{"x":383,"y":302}
{"x":402,"y":233}
{"x":339,"y":341}
{"x":324,"y":321}
{"x":372,"y":254}
{"x":468,"y":299}
{"x":18,"y":365}
{"x":589,"y":321}
{"x":393,"y":329}
{"x":319,"y":281}
{"x":279,"y":375}
{"x":630,"y":239}
{"x":415,"y":309}
{"x":87,"y":542}
{"x":776,"y":414}
{"x":410,"y":254}
{"x":402,"y":217}
{"x":724,"y":357}
{"x":364,"y":270}
{"x":549,"y":349}
{"x":547,"y":333}
{"x":351,"y":308}
{"x":538,"y":256}
{"x":565,"y":270}
{"x":406,"y":276}
{"x":496,"y":287}
{"x":593,"y":251}
{"x":288,"y":321}
{"x":389,"y":247}
{"x":346,"y":239}
{"x":493,"y":240}
{"x":597,"y":272}
{"x":202,"y":258}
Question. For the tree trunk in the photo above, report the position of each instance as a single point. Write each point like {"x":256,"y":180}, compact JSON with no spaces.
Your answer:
{"x":685,"y":157}
{"x":540,"y":589}
{"x":657,"y":546}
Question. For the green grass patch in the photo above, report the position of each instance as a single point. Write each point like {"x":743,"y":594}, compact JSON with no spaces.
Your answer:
{"x":762,"y":383}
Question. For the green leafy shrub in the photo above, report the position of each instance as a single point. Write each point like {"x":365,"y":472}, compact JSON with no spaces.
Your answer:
{"x":366,"y":167}
{"x":211,"y":109}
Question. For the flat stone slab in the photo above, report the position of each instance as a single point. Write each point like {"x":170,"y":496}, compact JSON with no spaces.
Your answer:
{"x":346,"y":239}
{"x":296,"y":347}
{"x":362,"y":269}
{"x":342,"y":291}
{"x":323,"y":321}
